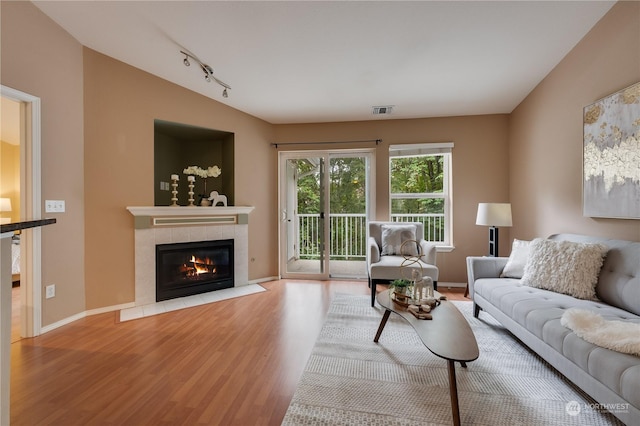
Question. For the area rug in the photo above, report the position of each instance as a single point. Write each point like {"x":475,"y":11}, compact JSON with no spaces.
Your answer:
{"x":350,"y":380}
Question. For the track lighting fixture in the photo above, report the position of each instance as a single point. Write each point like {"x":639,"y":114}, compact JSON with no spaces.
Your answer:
{"x":208,"y":72}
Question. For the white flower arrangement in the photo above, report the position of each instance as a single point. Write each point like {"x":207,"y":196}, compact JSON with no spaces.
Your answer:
{"x":211,"y":171}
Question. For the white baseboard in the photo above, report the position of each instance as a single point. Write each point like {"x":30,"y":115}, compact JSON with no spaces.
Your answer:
{"x":111,"y":308}
{"x":263,"y":280}
{"x":80,"y":315}
{"x":106,"y":309}
{"x":47,"y":328}
{"x":444,"y":284}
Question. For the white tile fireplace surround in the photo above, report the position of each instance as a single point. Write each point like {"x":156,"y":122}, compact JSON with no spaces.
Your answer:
{"x":165,"y":225}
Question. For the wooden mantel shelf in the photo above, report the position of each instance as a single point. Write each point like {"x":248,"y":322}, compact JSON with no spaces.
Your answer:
{"x":163,"y":216}
{"x":189,"y":211}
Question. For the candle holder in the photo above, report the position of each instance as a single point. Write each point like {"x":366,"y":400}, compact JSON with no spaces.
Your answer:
{"x":191,"y":200}
{"x":174,"y":192}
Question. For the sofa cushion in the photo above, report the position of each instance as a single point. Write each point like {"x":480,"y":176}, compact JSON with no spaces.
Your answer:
{"x":393,"y":236}
{"x":517,"y":259}
{"x":540,"y":311}
{"x":564,"y":267}
{"x":388,"y":268}
{"x":619,"y":281}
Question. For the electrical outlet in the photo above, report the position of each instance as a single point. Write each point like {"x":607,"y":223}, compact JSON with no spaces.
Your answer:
{"x":54,"y":206}
{"x":50,"y":291}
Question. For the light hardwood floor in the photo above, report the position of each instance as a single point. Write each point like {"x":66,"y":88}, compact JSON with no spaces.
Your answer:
{"x":234,"y":362}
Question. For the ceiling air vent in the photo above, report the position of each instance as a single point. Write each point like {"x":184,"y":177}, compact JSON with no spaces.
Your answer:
{"x":382,"y":110}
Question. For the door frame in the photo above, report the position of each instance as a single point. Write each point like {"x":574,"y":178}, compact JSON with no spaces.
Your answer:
{"x":283,"y":156}
{"x":30,"y":208}
{"x":283,"y":198}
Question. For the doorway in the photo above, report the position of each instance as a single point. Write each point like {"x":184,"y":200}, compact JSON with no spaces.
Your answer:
{"x":325,"y":203}
{"x":26,"y":198}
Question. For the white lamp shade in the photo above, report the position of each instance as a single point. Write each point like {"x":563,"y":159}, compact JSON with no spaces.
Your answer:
{"x":5,"y":204}
{"x":494,"y":214}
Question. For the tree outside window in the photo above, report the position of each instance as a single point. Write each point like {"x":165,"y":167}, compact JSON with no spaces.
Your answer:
{"x":419,"y":188}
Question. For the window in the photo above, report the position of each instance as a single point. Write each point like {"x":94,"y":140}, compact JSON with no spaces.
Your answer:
{"x":420,"y":188}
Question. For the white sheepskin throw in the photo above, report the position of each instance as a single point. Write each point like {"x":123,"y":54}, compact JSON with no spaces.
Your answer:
{"x":619,"y":336}
{"x":564,"y":267}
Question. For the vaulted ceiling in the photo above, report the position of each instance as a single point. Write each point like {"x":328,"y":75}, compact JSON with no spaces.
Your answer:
{"x":317,"y":61}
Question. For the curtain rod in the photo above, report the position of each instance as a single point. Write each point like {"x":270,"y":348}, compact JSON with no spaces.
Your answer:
{"x":377,"y":141}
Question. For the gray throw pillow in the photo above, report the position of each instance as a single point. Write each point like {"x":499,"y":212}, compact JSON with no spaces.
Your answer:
{"x":517,"y":259}
{"x":393,"y":236}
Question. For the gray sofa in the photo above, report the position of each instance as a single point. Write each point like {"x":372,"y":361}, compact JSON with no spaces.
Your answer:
{"x":533,"y":315}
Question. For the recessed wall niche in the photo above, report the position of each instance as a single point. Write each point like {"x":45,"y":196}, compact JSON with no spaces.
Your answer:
{"x":178,"y":146}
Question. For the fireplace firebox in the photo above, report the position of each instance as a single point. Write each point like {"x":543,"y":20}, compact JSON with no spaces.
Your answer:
{"x":185,"y":269}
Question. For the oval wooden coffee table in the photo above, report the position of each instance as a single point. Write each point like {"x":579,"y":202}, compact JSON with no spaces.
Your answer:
{"x":447,"y":335}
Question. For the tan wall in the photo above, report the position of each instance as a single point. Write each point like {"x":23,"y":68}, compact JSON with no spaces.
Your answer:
{"x":121,"y":103}
{"x":480,"y":169}
{"x":546,"y":131}
{"x":100,"y":159}
{"x":41,"y":59}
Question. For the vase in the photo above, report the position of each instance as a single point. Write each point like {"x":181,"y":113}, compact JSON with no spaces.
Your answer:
{"x":204,"y":202}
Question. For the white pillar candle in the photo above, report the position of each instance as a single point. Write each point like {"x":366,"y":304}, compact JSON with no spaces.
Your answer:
{"x":175,"y":177}
{"x":191,"y":178}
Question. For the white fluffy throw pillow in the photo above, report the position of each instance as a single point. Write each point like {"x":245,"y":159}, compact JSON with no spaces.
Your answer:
{"x":517,"y":259}
{"x":564,"y":267}
{"x":394,"y":235}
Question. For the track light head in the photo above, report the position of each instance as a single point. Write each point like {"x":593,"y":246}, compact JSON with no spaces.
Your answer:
{"x":208,"y":71}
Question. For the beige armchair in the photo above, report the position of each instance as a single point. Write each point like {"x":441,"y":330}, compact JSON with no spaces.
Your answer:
{"x":384,"y":257}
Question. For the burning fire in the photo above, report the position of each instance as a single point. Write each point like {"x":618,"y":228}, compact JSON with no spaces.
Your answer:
{"x":202,"y":266}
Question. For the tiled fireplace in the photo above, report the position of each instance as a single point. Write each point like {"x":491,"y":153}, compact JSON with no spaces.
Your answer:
{"x":159,"y":226}
{"x":194,"y":267}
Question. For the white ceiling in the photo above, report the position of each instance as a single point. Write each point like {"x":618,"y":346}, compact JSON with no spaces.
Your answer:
{"x":317,"y":61}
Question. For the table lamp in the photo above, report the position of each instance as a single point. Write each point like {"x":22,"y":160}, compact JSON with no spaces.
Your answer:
{"x":494,"y":215}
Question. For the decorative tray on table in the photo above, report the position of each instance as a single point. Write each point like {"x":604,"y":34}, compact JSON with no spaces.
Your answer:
{"x":420,"y":309}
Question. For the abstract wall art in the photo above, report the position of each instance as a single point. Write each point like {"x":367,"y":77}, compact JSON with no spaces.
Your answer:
{"x":611,"y":156}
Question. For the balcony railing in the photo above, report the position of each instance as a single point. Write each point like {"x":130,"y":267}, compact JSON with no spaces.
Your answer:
{"x":348,"y":233}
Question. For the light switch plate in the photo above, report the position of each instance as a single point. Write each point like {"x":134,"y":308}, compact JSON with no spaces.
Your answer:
{"x":54,"y":206}
{"x":50,"y":291}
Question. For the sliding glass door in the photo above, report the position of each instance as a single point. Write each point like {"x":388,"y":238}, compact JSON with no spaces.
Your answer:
{"x":303,"y":216}
{"x":324,"y":206}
